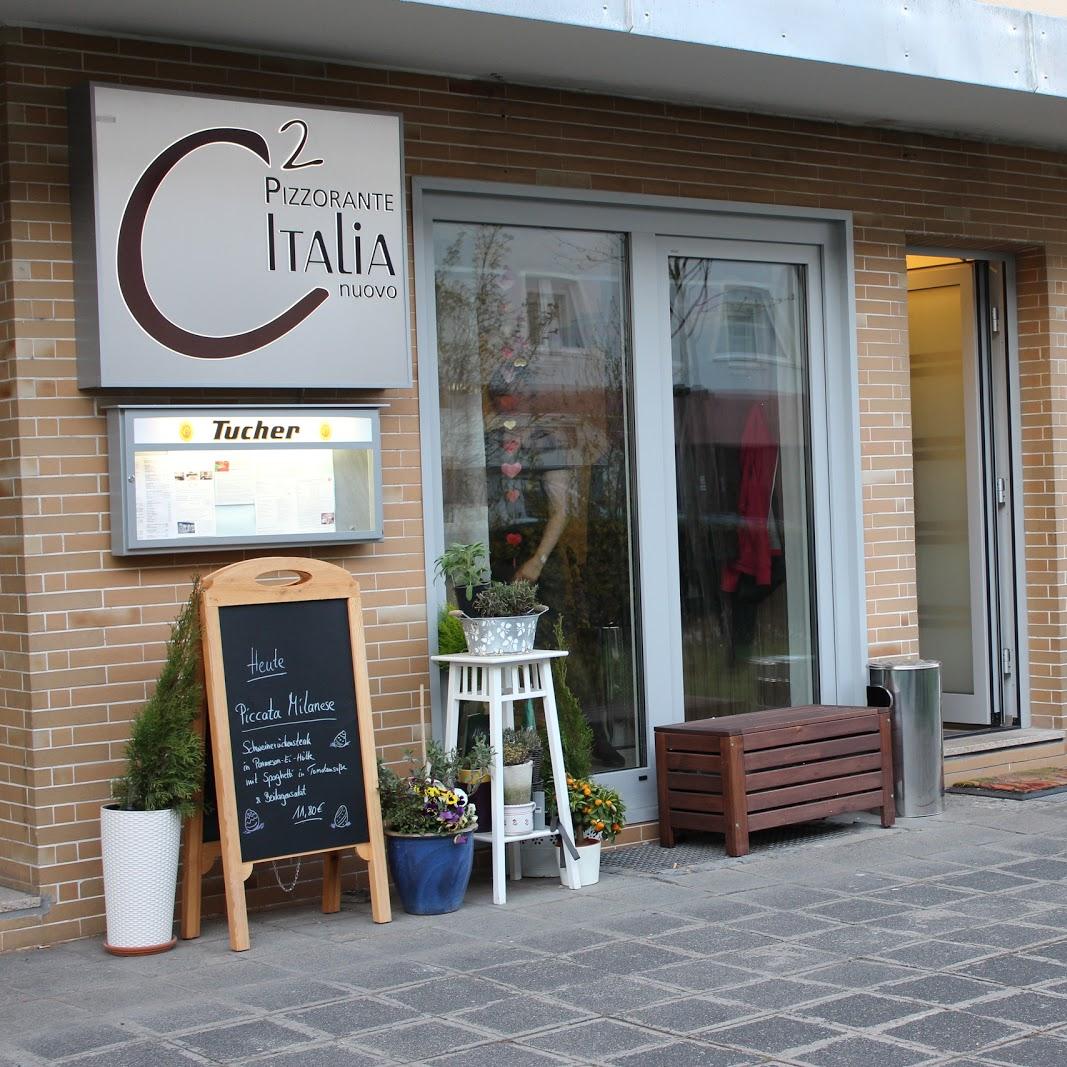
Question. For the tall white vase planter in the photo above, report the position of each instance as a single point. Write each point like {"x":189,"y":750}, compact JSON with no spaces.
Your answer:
{"x":140,"y":854}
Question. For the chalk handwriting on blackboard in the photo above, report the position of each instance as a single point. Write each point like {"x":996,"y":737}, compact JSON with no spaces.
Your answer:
{"x":292,"y":718}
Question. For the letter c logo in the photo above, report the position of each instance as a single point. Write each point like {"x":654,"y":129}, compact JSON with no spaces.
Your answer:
{"x":130,"y":260}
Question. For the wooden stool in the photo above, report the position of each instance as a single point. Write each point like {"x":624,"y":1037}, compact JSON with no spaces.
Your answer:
{"x":740,"y":773}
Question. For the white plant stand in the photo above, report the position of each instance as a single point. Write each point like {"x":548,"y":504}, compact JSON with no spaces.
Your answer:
{"x":498,"y":682}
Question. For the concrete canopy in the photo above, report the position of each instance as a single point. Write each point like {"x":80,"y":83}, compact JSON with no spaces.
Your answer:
{"x":947,"y":66}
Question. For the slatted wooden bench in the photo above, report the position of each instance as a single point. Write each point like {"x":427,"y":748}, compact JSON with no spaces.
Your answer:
{"x":739,"y":773}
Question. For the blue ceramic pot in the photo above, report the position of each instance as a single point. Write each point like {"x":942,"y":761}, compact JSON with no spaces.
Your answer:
{"x":431,"y":873}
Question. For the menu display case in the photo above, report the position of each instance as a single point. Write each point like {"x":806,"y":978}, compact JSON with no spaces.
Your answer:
{"x":192,"y":478}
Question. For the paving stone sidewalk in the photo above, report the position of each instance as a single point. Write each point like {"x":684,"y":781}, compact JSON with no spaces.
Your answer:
{"x":941,"y":941}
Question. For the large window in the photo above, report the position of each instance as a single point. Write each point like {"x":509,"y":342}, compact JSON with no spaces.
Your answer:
{"x":533,"y":364}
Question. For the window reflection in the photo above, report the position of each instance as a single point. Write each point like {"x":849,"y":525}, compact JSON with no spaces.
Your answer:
{"x":532,"y":338}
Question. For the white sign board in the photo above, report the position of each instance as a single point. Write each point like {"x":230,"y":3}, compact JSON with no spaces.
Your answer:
{"x":234,"y":243}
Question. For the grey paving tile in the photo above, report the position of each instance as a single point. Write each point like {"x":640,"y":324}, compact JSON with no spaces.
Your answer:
{"x":926,"y":922}
{"x":622,"y":993}
{"x":1047,"y":870}
{"x":499,"y":1052}
{"x":781,"y":993}
{"x":350,"y":1016}
{"x":541,"y":975}
{"x":721,"y":910}
{"x":419,"y":1040}
{"x":70,"y":1040}
{"x":708,"y":940}
{"x":596,"y":1040}
{"x":191,"y":1014}
{"x":849,"y":882}
{"x":858,"y":940}
{"x":791,"y":897}
{"x":780,"y":957}
{"x":625,"y":957}
{"x":1003,"y":935}
{"x":857,"y":909}
{"x":645,"y":924}
{"x":228,"y":1043}
{"x":924,"y":895}
{"x":684,"y":1054}
{"x":285,"y":993}
{"x":569,"y":939}
{"x":862,"y":1010}
{"x":941,"y":989}
{"x":859,"y":974}
{"x":700,"y":975}
{"x":1032,"y":1052}
{"x":141,"y":1054}
{"x":1054,"y":950}
{"x":443,"y":997}
{"x":380,"y":975}
{"x":775,"y":1034}
{"x":688,"y":1015}
{"x":468,"y":958}
{"x":1031,"y":1008}
{"x":332,"y":1055}
{"x":934,"y":955}
{"x":1015,"y":970}
{"x":863,"y":1052}
{"x":984,"y":881}
{"x":520,"y":1015}
{"x":784,"y":924}
{"x":951,"y":1031}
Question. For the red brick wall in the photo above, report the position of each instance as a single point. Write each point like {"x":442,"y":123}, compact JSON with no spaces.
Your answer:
{"x":82,"y":632}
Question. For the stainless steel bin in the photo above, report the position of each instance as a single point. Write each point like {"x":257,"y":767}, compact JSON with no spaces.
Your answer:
{"x":912,"y":688}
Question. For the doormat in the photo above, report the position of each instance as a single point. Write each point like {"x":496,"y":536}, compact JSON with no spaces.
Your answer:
{"x":699,"y":849}
{"x":1024,"y":785}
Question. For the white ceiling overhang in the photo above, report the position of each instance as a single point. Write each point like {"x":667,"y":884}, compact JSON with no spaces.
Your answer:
{"x":950,"y":66}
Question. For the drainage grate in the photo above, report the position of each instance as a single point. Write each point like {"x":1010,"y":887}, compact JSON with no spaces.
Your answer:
{"x":696,"y":852}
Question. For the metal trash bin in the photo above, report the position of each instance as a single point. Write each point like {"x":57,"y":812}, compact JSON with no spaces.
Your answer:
{"x":912,"y":688}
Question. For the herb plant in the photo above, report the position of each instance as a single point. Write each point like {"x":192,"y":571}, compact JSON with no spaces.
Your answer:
{"x":465,"y":566}
{"x":504,"y":600}
{"x":520,"y":746}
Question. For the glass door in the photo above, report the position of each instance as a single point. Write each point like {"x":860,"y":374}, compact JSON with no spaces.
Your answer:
{"x":739,"y":327}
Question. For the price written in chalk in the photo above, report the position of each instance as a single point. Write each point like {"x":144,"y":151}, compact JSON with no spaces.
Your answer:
{"x":297,"y":762}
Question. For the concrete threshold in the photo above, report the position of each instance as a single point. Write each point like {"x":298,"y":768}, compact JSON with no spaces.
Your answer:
{"x":1003,"y":739}
{"x":13,"y":900}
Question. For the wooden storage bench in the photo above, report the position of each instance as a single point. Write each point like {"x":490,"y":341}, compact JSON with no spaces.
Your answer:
{"x":739,"y":773}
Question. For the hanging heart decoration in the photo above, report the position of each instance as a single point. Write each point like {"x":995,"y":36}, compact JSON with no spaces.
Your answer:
{"x":510,"y":424}
{"x":513,"y":539}
{"x":511,"y":470}
{"x":511,"y":446}
{"x":512,"y":495}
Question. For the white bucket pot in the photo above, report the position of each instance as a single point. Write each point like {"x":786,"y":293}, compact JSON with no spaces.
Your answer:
{"x":518,"y":819}
{"x":140,"y":853}
{"x":588,"y":866}
{"x":518,"y":783}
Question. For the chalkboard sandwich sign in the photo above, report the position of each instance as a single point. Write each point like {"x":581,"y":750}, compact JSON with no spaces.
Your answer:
{"x":290,"y":722}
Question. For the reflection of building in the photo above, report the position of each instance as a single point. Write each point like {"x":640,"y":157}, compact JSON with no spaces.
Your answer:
{"x":876,"y":270}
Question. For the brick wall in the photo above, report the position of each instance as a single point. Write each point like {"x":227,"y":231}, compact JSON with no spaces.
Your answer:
{"x":82,"y":633}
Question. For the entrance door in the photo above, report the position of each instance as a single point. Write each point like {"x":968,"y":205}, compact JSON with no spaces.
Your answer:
{"x":961,"y":462}
{"x":742,"y":321}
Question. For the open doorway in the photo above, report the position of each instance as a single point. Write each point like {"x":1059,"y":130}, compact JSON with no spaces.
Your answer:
{"x":962,"y":463}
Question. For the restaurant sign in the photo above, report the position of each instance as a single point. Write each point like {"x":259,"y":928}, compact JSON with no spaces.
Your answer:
{"x":235,"y":243}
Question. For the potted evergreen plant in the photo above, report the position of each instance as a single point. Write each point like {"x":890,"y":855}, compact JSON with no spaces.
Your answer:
{"x":466,"y":567}
{"x":503,"y":620}
{"x":429,"y":828}
{"x":140,"y":832}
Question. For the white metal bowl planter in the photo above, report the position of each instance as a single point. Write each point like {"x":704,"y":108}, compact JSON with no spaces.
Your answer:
{"x":500,"y":636}
{"x":140,"y":854}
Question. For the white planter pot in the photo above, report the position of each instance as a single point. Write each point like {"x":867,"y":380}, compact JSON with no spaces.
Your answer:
{"x":500,"y":636}
{"x":140,"y":853}
{"x":518,"y":819}
{"x":588,"y":866}
{"x":540,"y":858}
{"x":518,"y":783}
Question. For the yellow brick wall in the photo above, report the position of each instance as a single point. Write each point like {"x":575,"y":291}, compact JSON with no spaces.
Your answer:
{"x":81,"y":633}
